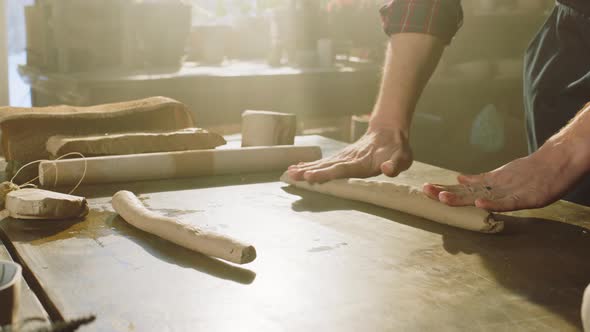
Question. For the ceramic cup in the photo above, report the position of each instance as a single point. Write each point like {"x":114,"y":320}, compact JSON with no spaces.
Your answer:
{"x":10,"y":280}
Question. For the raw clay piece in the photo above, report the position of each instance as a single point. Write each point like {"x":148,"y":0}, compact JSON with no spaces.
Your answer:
{"x":169,"y":165}
{"x":33,"y":203}
{"x":406,"y":199}
{"x":26,"y":130}
{"x":130,"y":208}
{"x":133,"y":143}
{"x":264,"y":128}
{"x":5,"y":188}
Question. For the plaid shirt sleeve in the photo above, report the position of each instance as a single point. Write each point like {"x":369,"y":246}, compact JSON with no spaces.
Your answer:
{"x":440,"y":18}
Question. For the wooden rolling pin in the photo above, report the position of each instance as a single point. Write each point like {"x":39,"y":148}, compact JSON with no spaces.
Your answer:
{"x":168,"y":165}
{"x":130,"y":208}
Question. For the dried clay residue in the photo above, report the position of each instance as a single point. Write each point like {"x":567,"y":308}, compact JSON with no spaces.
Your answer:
{"x":327,"y":248}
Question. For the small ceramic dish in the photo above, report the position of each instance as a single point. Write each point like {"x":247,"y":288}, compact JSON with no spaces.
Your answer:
{"x":10,"y":277}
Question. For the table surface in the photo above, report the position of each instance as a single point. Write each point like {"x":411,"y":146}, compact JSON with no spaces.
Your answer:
{"x":324,"y":264}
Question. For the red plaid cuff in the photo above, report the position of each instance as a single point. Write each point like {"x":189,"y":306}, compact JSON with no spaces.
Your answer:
{"x":441,"y":18}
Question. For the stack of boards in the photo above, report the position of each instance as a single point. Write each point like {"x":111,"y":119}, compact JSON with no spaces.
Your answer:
{"x":25,"y":131}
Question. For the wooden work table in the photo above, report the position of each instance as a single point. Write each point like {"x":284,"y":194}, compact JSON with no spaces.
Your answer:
{"x":324,"y":264}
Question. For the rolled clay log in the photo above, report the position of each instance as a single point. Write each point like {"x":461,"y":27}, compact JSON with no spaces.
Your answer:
{"x":133,"y":143}
{"x":130,"y":208}
{"x":264,"y":128}
{"x":33,"y":203}
{"x":168,"y":165}
{"x":5,"y":188}
{"x":406,"y":199}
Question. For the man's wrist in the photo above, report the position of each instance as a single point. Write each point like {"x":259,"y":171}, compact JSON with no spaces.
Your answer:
{"x":399,"y":121}
{"x":570,"y":153}
{"x":569,"y":149}
{"x":578,"y":151}
{"x":400,"y":133}
{"x":393,"y":126}
{"x":574,"y":140}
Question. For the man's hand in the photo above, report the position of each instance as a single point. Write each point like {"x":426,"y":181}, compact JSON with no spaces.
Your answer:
{"x":411,"y":58}
{"x":526,"y":183}
{"x":379,"y":150}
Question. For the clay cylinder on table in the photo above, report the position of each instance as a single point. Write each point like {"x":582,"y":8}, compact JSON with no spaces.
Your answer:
{"x":264,"y":128}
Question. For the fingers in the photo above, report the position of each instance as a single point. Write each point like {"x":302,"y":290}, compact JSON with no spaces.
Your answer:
{"x":348,"y":163}
{"x":391,"y":169}
{"x":362,"y":159}
{"x":451,"y":196}
{"x":504,"y":204}
{"x":516,"y":201}
{"x":309,"y":164}
{"x":297,"y":173}
{"x":456,"y":195}
{"x":396,"y":165}
{"x":432,"y":190}
{"x":336,"y":171}
{"x":388,"y":168}
{"x":457,"y":198}
{"x":342,"y":155}
{"x":471,"y":179}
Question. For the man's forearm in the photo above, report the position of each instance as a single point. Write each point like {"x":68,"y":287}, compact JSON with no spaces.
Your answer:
{"x":573,"y":142}
{"x":411,"y":58}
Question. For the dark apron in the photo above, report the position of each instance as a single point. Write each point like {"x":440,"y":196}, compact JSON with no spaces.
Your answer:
{"x":557,"y":78}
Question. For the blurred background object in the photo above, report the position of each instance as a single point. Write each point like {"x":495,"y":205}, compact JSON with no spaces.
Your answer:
{"x":3,"y":56}
{"x":318,"y":59}
{"x":76,"y":36}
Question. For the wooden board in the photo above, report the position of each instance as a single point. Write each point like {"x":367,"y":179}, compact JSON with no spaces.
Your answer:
{"x":324,"y":264}
{"x":29,"y":303}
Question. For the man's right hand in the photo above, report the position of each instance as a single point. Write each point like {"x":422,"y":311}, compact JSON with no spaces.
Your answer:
{"x":379,"y":151}
{"x":410,"y":60}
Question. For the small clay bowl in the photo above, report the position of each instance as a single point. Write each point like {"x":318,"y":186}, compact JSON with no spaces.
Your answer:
{"x":10,"y":280}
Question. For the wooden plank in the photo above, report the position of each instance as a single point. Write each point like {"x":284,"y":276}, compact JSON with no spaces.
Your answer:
{"x":324,"y":264}
{"x":29,"y":303}
{"x":134,"y":142}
